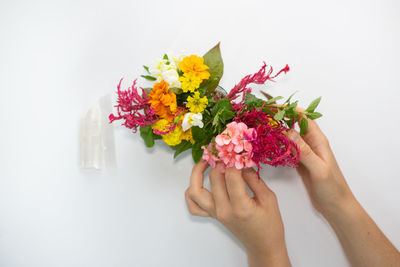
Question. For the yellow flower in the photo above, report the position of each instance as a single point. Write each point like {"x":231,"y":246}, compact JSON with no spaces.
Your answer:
{"x":173,"y":138}
{"x":188,"y":136}
{"x":273,"y":122}
{"x":196,"y":104}
{"x":195,"y":65}
{"x":189,"y":82}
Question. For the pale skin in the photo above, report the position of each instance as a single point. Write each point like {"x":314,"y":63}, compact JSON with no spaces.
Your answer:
{"x":257,"y":223}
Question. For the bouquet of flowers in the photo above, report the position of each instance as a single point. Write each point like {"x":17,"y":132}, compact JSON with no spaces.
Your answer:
{"x":187,"y":109}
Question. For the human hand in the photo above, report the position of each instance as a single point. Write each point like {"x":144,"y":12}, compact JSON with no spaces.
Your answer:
{"x":256,"y":221}
{"x":362,"y":240}
{"x":320,"y":172}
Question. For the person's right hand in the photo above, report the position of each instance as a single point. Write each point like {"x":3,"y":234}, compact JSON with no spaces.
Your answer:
{"x":320,"y":172}
{"x":363,"y":242}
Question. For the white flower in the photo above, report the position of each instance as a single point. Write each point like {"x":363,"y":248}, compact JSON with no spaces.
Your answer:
{"x":167,"y":70}
{"x":175,"y":59}
{"x":171,"y":76}
{"x":192,"y":119}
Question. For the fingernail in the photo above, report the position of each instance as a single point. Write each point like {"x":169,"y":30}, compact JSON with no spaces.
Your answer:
{"x":222,"y":168}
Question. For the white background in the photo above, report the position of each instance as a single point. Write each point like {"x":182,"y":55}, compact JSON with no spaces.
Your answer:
{"x":58,"y":57}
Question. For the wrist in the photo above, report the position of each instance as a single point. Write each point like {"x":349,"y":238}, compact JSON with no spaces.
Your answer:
{"x":279,"y":258}
{"x":335,"y":204}
{"x":348,"y":209}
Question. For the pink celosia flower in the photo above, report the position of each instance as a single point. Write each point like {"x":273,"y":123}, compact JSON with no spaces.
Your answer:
{"x":133,"y":108}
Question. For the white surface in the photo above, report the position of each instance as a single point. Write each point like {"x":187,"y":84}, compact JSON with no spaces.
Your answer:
{"x":58,"y":57}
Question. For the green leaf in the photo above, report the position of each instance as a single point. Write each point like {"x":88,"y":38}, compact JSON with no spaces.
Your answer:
{"x":290,"y":97}
{"x":291,"y":113}
{"x":165,"y":57}
{"x":268,"y":96}
{"x":303,"y":126}
{"x":279,"y":115}
{"x":314,"y":115}
{"x":146,"y":68}
{"x":157,"y":137}
{"x":293,"y":105}
{"x":273,"y":100}
{"x":197,"y":152}
{"x":214,"y":61}
{"x":183,"y":146}
{"x":148,"y":77}
{"x":289,"y":123}
{"x":313,"y":105}
{"x":216,"y":119}
{"x":222,"y":104}
{"x":268,"y":111}
{"x":179,"y":93}
{"x":226,"y":115}
{"x":198,"y":134}
{"x":177,"y":118}
{"x":147,"y":134}
{"x":251,"y":100}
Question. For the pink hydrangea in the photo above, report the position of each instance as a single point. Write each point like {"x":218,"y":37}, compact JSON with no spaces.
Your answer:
{"x":233,"y":147}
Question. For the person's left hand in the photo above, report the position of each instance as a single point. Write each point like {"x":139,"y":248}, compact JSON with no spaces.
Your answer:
{"x":255,"y":221}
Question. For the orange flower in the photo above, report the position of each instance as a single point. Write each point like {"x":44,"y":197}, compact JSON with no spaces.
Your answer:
{"x":163,"y":103}
{"x":195,"y":64}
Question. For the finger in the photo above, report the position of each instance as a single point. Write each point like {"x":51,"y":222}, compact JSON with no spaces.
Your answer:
{"x":307,"y":157}
{"x":218,"y":187}
{"x":204,"y":200}
{"x":317,"y":140}
{"x":197,"y":193}
{"x":197,"y":177}
{"x":236,"y":187}
{"x":314,"y":137}
{"x":193,"y":208}
{"x":257,"y":185}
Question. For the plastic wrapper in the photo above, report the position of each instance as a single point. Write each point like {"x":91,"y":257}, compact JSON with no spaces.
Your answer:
{"x":96,"y":137}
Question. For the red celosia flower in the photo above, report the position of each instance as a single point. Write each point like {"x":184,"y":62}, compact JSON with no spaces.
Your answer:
{"x":270,"y":146}
{"x":259,"y":77}
{"x":133,"y":108}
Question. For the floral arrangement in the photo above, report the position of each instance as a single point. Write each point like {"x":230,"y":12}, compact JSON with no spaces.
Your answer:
{"x":186,"y":108}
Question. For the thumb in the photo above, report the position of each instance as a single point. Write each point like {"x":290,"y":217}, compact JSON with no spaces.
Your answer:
{"x":307,"y":156}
